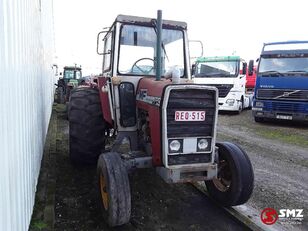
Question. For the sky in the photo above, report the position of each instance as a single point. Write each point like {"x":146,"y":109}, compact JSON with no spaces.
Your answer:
{"x":225,"y":27}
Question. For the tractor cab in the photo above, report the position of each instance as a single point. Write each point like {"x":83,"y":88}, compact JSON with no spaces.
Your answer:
{"x":72,"y":77}
{"x":130,"y":47}
{"x":72,"y":72}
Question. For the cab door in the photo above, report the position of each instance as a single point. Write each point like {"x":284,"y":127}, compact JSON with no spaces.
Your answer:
{"x":104,"y":81}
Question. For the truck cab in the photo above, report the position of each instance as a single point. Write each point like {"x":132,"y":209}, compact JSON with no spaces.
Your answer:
{"x":228,"y":74}
{"x":281,"y":90}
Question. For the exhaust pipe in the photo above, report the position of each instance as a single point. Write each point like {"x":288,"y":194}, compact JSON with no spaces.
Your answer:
{"x":158,"y":45}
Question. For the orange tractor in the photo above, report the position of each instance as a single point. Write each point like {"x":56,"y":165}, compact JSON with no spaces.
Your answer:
{"x":146,"y":100}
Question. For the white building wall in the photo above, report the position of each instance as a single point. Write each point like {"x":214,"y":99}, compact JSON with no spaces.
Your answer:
{"x":26,"y":96}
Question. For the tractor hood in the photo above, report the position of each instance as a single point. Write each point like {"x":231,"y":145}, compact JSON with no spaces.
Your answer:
{"x":150,"y":91}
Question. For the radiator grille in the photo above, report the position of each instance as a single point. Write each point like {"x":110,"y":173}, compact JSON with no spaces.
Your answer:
{"x":281,"y":94}
{"x":223,"y":89}
{"x":192,"y":99}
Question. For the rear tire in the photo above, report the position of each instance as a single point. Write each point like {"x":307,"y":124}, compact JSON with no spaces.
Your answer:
{"x":114,"y":189}
{"x":86,"y":126}
{"x":60,"y":95}
{"x":235,"y":178}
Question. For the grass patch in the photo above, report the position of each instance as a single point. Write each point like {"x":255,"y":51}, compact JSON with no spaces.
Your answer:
{"x":287,"y":138}
{"x":38,"y":225}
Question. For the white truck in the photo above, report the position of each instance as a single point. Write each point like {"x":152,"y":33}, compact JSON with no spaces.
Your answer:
{"x":228,"y":74}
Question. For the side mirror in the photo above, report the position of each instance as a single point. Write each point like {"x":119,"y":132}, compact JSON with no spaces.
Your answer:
{"x":244,"y":68}
{"x":250,"y":67}
{"x":100,"y":42}
{"x":195,"y":49}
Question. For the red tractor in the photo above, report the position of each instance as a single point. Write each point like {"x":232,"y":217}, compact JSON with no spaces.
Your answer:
{"x":158,"y":117}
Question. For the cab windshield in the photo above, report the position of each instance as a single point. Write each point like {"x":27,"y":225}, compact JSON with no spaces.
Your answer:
{"x":72,"y":74}
{"x":274,"y":66}
{"x":217,"y":69}
{"x":138,"y":50}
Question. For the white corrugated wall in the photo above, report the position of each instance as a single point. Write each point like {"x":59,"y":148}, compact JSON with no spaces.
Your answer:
{"x":26,"y":95}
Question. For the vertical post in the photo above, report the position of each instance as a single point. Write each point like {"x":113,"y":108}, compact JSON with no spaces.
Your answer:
{"x":158,"y":45}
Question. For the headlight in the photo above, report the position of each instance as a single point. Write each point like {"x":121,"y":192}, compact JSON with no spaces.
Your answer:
{"x":230,"y":102}
{"x":203,"y":145}
{"x":175,"y":146}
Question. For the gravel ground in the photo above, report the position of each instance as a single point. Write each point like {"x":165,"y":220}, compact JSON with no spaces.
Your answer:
{"x":279,"y":154}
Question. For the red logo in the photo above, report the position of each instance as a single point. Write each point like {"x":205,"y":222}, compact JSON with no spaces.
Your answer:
{"x":269,"y":216}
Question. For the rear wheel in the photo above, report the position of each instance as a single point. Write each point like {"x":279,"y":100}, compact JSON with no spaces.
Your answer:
{"x":235,"y":178}
{"x":86,"y":126}
{"x":60,"y":95}
{"x":114,"y":189}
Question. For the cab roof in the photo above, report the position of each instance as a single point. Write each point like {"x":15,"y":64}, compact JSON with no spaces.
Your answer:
{"x":284,"y":48}
{"x":71,"y":68}
{"x":149,"y":21}
{"x":218,"y":58}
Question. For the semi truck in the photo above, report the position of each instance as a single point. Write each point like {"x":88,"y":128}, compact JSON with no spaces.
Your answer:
{"x":228,"y":74}
{"x":281,"y":90}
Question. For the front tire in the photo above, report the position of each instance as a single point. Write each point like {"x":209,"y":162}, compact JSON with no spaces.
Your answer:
{"x":114,"y":189}
{"x":235,"y":178}
{"x":86,"y":126}
{"x":259,"y":119}
{"x":241,"y":106}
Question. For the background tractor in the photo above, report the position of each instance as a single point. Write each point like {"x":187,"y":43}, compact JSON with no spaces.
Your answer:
{"x":146,"y":100}
{"x":72,"y":77}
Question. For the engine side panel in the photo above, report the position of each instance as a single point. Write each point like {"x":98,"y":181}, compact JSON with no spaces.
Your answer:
{"x":149,"y":94}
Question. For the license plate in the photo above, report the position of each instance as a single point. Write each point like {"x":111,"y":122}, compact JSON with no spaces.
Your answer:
{"x":189,"y":116}
{"x":284,"y":117}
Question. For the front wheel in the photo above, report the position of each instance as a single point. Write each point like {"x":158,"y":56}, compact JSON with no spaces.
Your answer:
{"x":259,"y":119}
{"x":235,"y":178}
{"x":241,"y":106}
{"x":114,"y":189}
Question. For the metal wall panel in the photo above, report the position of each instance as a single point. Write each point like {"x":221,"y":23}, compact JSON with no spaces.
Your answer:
{"x":26,"y":96}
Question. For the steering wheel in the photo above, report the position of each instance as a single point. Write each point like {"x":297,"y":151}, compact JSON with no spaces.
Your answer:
{"x":140,"y":68}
